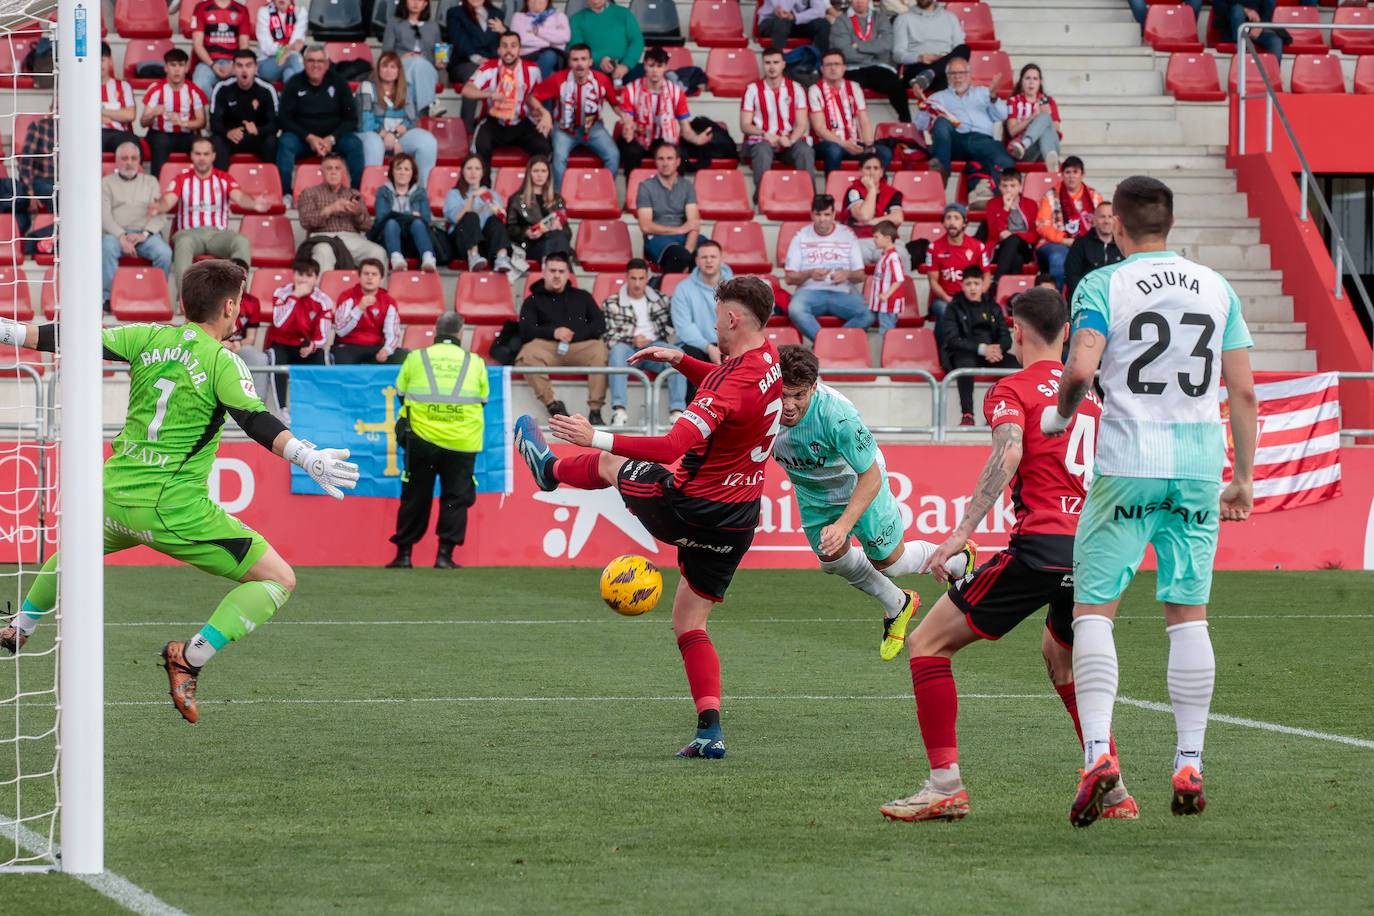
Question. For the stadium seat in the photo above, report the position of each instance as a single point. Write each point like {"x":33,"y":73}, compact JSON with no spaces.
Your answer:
{"x":508,"y":182}
{"x":374,"y":176}
{"x":1193,"y":77}
{"x":985,"y":65}
{"x":135,"y":53}
{"x":270,"y":237}
{"x":1036,"y":184}
{"x":452,"y":138}
{"x":837,"y":184}
{"x":442,"y":179}
{"x":1011,"y":284}
{"x":896,"y":130}
{"x":603,"y":244}
{"x":911,"y":348}
{"x":657,"y":20}
{"x":632,"y":184}
{"x":333,"y":283}
{"x":419,"y":295}
{"x":484,"y":297}
{"x":142,"y":19}
{"x":41,"y":221}
{"x":1364,"y":74}
{"x":1317,"y":73}
{"x":308,"y":175}
{"x":1350,"y":41}
{"x":976,"y":18}
{"x":184,"y":19}
{"x":724,"y":194}
{"x":669,"y":283}
{"x":504,"y":156}
{"x":480,"y":343}
{"x":13,"y":50}
{"x":784,"y":194}
{"x":923,"y":194}
{"x":267,"y":280}
{"x":844,"y":348}
{"x":260,"y":180}
{"x":606,"y":285}
{"x":717,"y":24}
{"x":1305,"y":41}
{"x":140,"y":294}
{"x":1253,"y":83}
{"x":340,"y":51}
{"x":337,"y":20}
{"x":11,"y":251}
{"x":1172,"y":28}
{"x":591,"y":193}
{"x":679,"y":57}
{"x":419,"y":336}
{"x":928,"y":231}
{"x":782,"y":335}
{"x":785,"y":233}
{"x":48,"y":297}
{"x":729,"y":71}
{"x":742,"y":246}
{"x":15,"y":301}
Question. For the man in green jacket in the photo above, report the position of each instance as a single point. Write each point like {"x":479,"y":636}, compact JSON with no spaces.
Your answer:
{"x":615,"y":39}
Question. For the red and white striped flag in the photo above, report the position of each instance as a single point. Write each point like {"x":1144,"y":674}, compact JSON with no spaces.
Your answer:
{"x":1298,"y":453}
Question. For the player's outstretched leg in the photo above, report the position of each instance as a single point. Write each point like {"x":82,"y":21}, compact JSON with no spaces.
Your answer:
{"x":914,"y":555}
{"x":1095,"y":677}
{"x":855,"y":568}
{"x":40,"y":600}
{"x":532,"y":447}
{"x":1191,"y":676}
{"x":587,"y":471}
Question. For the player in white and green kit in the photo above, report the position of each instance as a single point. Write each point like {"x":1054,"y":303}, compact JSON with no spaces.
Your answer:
{"x":1165,"y":332}
{"x":183,"y":382}
{"x":839,"y":481}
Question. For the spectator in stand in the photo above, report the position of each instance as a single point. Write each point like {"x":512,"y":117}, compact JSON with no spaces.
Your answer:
{"x":1010,"y":226}
{"x":218,"y":29}
{"x":474,"y":30}
{"x":318,"y":117}
{"x":895,"y":8}
{"x":1236,"y":12}
{"x":694,"y":305}
{"x":975,"y":336}
{"x":780,"y":20}
{"x":544,"y":35}
{"x":965,"y":117}
{"x":614,"y":38}
{"x":126,"y":194}
{"x":37,"y":170}
{"x":666,"y":206}
{"x":504,"y":86}
{"x":281,"y":39}
{"x":577,"y":95}
{"x":476,"y":218}
{"x":864,"y":36}
{"x":402,"y":219}
{"x":887,"y":299}
{"x":412,"y":34}
{"x":243,"y":114}
{"x":774,"y":119}
{"x":174,"y":111}
{"x":1140,"y":8}
{"x":388,"y":115}
{"x":118,"y":108}
{"x":868,"y":201}
{"x":537,"y":216}
{"x":334,"y":213}
{"x":245,"y":340}
{"x":638,"y":316}
{"x":1066,"y":213}
{"x":653,"y":110}
{"x":946,"y":260}
{"x":202,"y":195}
{"x":367,"y":326}
{"x":925,"y":39}
{"x":1089,"y":252}
{"x":1033,"y":121}
{"x":302,"y":318}
{"x":1045,"y":280}
{"x":839,"y":117}
{"x":824,"y":262}
{"x":561,"y":325}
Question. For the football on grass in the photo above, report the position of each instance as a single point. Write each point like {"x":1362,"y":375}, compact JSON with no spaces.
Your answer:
{"x":631,"y":585}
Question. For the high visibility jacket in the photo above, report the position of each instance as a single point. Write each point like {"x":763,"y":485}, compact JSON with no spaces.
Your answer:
{"x":444,"y":389}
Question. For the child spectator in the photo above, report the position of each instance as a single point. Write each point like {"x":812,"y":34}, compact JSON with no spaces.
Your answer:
{"x":302,"y":317}
{"x":975,"y":336}
{"x":1010,"y":226}
{"x":889,"y":279}
{"x":1066,"y":213}
{"x":367,"y":326}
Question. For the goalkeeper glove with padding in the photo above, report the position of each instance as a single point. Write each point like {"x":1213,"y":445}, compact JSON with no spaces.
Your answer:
{"x":326,"y":466}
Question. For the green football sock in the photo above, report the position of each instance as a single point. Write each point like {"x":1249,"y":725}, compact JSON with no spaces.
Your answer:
{"x":241,"y":611}
{"x":41,"y":599}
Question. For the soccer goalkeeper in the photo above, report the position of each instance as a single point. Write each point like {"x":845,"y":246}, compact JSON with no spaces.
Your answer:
{"x":182,"y":384}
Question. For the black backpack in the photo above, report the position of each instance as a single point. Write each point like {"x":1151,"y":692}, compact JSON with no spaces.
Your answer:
{"x":507,"y":344}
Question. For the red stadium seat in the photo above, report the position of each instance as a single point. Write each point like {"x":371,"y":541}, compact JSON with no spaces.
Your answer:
{"x":1350,"y":41}
{"x":928,"y":231}
{"x":784,"y":194}
{"x":632,"y":184}
{"x":1038,"y":184}
{"x":783,"y":335}
{"x":442,"y":179}
{"x":607,"y":284}
{"x":723,"y":194}
{"x":1011,"y":284}
{"x":333,"y":283}
{"x":419,"y":336}
{"x":13,"y":50}
{"x":340,"y":51}
{"x":837,"y":183}
{"x":270,"y":238}
{"x":308,"y":175}
{"x":717,"y":24}
{"x":1193,"y":77}
{"x":985,"y":65}
{"x":419,"y":295}
{"x":260,"y":180}
{"x":669,"y":283}
{"x":267,"y":280}
{"x":374,"y":176}
{"x":678,"y":57}
{"x":1172,"y":28}
{"x":1364,"y":74}
{"x":844,"y":348}
{"x":504,"y":156}
{"x":729,"y":71}
{"x":140,"y":294}
{"x":591,"y":193}
{"x":1317,"y":73}
{"x":42,"y":221}
{"x":1253,"y":83}
{"x":1305,"y":41}
{"x":452,"y":137}
{"x":135,"y":53}
{"x":508,"y":182}
{"x":976,"y":18}
{"x":603,"y":244}
{"x":742,"y":246}
{"x":785,"y":233}
{"x":48,"y":297}
{"x":15,"y":301}
{"x":923,"y":194}
{"x":911,"y":348}
{"x":142,"y":19}
{"x":11,"y":250}
{"x":482,"y":339}
{"x":895,"y":130}
{"x":184,"y":18}
{"x":484,"y":297}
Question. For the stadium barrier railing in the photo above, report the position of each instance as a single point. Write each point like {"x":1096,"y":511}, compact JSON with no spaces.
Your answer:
{"x":942,"y":401}
{"x":650,"y":392}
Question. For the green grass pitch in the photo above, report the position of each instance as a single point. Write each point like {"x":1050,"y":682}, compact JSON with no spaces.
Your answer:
{"x":497,"y":740}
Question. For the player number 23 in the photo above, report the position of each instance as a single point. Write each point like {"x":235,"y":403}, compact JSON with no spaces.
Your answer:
{"x":1162,"y":333}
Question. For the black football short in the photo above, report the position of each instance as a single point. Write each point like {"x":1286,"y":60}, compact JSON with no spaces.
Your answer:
{"x":1005,"y":591}
{"x":707,"y":554}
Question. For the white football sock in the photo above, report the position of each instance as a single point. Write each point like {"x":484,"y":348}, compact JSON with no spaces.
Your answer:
{"x":198,"y":651}
{"x":946,"y":779}
{"x":915,"y":556}
{"x":1192,"y":673}
{"x":855,"y":569}
{"x":26,"y":623}
{"x":1094,"y":682}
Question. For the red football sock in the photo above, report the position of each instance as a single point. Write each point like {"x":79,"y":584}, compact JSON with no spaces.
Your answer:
{"x":703,"y":668}
{"x":1066,"y":693}
{"x":937,"y":709}
{"x":580,"y":471}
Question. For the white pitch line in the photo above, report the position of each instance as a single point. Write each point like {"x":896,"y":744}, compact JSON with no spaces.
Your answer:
{"x":108,"y":884}
{"x":1255,"y":723}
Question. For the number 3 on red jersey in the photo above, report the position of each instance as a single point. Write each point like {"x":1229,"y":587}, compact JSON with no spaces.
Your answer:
{"x":760,"y":453}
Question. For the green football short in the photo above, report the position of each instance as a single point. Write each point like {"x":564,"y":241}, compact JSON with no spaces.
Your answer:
{"x":879,"y":529}
{"x":1123,"y":514}
{"x":200,"y":534}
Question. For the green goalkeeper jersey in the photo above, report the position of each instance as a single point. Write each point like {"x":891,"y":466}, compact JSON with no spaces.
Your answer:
{"x":827,"y":450}
{"x":181,"y":384}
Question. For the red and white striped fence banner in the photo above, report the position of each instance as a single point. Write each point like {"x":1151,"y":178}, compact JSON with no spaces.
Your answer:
{"x":1298,"y":453}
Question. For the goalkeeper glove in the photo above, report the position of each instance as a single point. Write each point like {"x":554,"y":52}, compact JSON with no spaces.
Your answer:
{"x":324,"y":465}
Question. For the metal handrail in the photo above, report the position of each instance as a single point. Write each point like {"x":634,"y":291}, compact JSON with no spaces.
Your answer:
{"x":1355,"y":377}
{"x":1244,"y":43}
{"x":941,"y":428}
{"x":650,"y":392}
